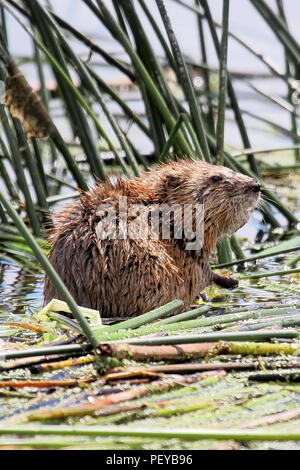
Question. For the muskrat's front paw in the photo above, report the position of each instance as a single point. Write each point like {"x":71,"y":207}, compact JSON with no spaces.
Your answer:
{"x":203,"y":296}
{"x":226,"y":282}
{"x":232,"y":283}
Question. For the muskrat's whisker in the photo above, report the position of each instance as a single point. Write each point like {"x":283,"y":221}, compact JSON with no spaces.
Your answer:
{"x":259,"y":204}
{"x":265,"y":197}
{"x":269,"y":201}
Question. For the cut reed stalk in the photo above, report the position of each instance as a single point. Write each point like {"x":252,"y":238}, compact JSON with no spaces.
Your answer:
{"x":184,"y":351}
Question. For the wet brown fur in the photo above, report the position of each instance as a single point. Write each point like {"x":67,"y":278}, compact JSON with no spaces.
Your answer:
{"x":129,"y":277}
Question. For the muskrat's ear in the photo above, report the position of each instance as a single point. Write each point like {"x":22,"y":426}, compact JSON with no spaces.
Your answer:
{"x":173,"y":181}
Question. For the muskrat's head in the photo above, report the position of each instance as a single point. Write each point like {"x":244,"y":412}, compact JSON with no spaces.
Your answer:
{"x":227,"y":196}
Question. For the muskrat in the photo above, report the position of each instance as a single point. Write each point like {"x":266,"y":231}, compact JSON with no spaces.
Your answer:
{"x":128,"y":276}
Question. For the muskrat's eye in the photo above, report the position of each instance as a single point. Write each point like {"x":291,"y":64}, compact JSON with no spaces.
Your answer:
{"x":216,"y":178}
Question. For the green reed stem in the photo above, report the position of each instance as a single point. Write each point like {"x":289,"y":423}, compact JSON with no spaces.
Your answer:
{"x":47,"y":351}
{"x":200,"y":433}
{"x":143,"y":74}
{"x":255,"y":257}
{"x":139,"y":321}
{"x":94,"y":48}
{"x":125,"y":334}
{"x":36,"y":177}
{"x":292,"y":262}
{"x":57,"y":282}
{"x":284,"y":322}
{"x":271,"y":273}
{"x":40,"y":166}
{"x":224,"y":250}
{"x":279,"y":28}
{"x":214,"y":337}
{"x":115,"y":97}
{"x":185,"y":81}
{"x":274,"y":68}
{"x":90,"y":84}
{"x":236,"y":248}
{"x":78,"y":117}
{"x":3,"y":216}
{"x":293,"y":118}
{"x":70,"y":160}
{"x":231,"y":92}
{"x":206,"y":73}
{"x":164,"y":154}
{"x":265,"y":150}
{"x":189,"y":315}
{"x":193,"y":135}
{"x":61,"y":71}
{"x":22,"y":182}
{"x":3,"y":24}
{"x":160,"y":36}
{"x":222,"y":83}
{"x":11,"y":189}
{"x":147,"y":54}
{"x":270,"y":195}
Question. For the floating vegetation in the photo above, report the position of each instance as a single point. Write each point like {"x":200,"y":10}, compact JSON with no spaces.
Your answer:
{"x":201,"y":392}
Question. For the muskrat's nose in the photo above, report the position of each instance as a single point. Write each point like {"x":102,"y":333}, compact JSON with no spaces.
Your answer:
{"x":254,"y":187}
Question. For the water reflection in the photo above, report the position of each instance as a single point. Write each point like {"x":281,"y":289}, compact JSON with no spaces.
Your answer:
{"x":19,"y":289}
